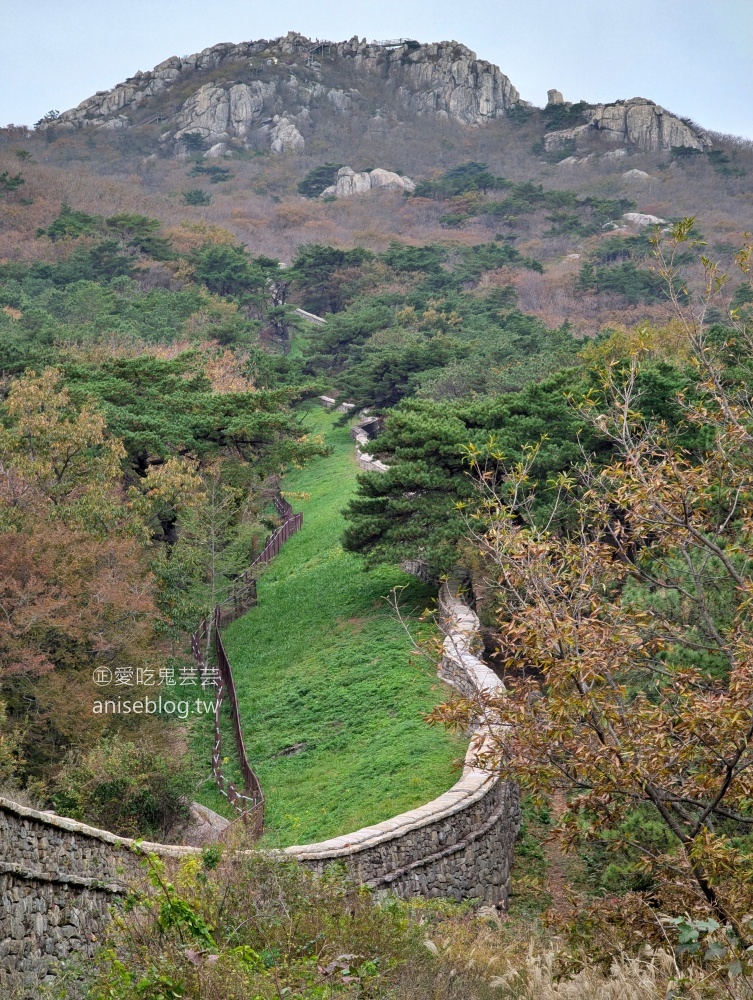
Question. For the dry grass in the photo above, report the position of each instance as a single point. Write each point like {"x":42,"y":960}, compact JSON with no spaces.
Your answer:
{"x":536,"y":978}
{"x":425,"y":950}
{"x":509,"y":961}
{"x":260,"y":205}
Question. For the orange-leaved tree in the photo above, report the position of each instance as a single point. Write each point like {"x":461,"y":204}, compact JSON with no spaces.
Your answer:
{"x":73,"y":585}
{"x":76,"y":593}
{"x":626,"y":623}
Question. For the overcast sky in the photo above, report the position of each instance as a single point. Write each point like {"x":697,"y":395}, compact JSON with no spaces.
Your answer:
{"x":694,"y":57}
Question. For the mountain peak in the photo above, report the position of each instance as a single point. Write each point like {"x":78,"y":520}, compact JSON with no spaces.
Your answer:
{"x":276,"y":93}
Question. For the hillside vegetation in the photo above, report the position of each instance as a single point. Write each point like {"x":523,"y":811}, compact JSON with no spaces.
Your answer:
{"x":556,"y":342}
{"x":333,"y":704}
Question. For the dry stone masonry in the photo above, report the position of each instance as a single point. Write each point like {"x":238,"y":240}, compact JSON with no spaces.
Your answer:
{"x":364,"y":458}
{"x":461,"y":844}
{"x":60,"y":878}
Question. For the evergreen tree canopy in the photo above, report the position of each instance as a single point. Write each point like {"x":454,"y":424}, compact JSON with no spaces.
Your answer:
{"x":412,"y":511}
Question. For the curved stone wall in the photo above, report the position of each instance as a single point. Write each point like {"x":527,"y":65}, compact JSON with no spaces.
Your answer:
{"x":461,"y":844}
{"x":58,"y":877}
{"x":364,"y":458}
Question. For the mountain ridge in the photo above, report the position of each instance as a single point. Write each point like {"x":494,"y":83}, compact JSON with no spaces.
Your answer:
{"x":265,"y":91}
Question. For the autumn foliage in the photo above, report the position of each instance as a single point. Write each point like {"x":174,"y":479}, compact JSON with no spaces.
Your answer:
{"x":625,"y":622}
{"x":75,"y":587}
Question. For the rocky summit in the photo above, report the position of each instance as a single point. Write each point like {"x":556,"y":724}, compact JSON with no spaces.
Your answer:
{"x":275,"y":94}
{"x":286,"y":78}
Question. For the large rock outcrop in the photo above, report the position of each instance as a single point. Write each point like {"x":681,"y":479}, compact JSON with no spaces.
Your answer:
{"x":638,"y":123}
{"x":216,"y":112}
{"x":640,"y":220}
{"x":231,"y":91}
{"x":645,"y":125}
{"x":444,"y":78}
{"x":447,"y":78}
{"x":349,"y":182}
{"x":285,"y":137}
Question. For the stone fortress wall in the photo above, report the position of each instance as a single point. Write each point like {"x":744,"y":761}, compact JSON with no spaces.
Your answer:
{"x":59,"y":877}
{"x":364,"y":458}
{"x":460,"y":845}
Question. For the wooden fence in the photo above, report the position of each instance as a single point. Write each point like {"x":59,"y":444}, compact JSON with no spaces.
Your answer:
{"x":207,"y":639}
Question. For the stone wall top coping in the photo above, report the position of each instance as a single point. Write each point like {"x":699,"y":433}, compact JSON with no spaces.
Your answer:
{"x":83,"y":829}
{"x":461,"y":625}
{"x":366,"y":458}
{"x":472,"y":786}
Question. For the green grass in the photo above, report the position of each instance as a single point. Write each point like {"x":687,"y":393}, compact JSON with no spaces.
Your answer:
{"x":323,"y":662}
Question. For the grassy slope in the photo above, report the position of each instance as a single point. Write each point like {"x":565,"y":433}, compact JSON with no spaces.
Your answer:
{"x":322,"y":661}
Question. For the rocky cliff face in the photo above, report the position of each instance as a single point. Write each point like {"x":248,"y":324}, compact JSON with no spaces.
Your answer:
{"x":444,"y":79}
{"x":637,"y":123}
{"x":274,"y":92}
{"x":644,"y":124}
{"x":215,"y":111}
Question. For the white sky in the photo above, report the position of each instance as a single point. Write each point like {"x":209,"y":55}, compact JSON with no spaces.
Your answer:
{"x":694,"y":57}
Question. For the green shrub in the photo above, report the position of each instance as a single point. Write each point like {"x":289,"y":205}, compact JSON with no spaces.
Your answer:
{"x":125,"y":787}
{"x":620,"y":248}
{"x":133,"y":231}
{"x":70,"y":224}
{"x":519,"y":114}
{"x":196,"y":197}
{"x":318,"y":179}
{"x":467,"y":177}
{"x":215,"y":173}
{"x":722,"y":163}
{"x":685,"y":152}
{"x":567,"y":224}
{"x":224,"y":269}
{"x":51,"y":116}
{"x":322,"y":275}
{"x":10,"y":752}
{"x":193,"y":141}
{"x":100,"y":263}
{"x":635,"y":284}
{"x":561,"y":116}
{"x":743,"y":295}
{"x":453,"y":220}
{"x":562,"y":152}
{"x":265,"y":928}
{"x":404,"y":258}
{"x":10,"y":183}
{"x":138,"y":232}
